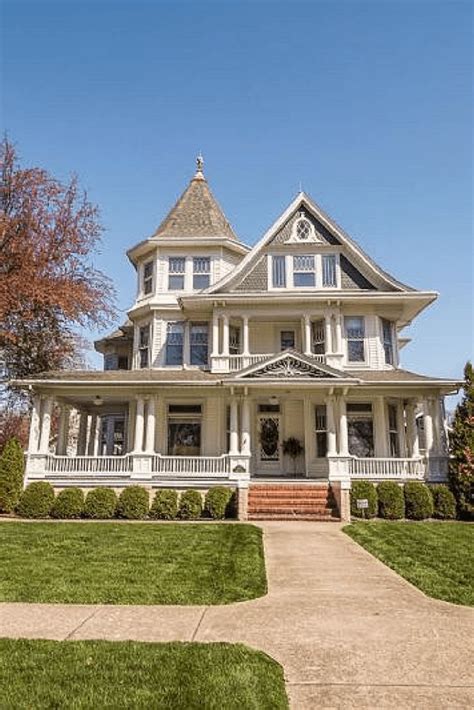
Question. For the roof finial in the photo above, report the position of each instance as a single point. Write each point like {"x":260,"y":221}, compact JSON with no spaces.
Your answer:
{"x":199,"y":163}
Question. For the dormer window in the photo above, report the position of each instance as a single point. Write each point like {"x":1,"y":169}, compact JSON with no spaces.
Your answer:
{"x":176,"y":271}
{"x":148,"y":277}
{"x":201,"y":272}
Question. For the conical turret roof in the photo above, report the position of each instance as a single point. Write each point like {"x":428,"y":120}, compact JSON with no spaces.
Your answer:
{"x":196,"y":214}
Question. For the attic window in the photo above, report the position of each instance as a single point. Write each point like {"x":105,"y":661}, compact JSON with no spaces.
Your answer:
{"x":303,"y":229}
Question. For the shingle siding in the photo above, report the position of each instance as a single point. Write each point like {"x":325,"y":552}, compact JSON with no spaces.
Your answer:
{"x":257,"y":278}
{"x":352,"y":278}
{"x":285,"y":232}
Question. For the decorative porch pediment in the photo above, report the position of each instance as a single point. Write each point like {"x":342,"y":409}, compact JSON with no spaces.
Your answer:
{"x":291,"y":365}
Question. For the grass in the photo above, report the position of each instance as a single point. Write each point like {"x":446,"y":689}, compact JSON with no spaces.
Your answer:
{"x":48,"y":675}
{"x":435,"y":557}
{"x":130,"y":563}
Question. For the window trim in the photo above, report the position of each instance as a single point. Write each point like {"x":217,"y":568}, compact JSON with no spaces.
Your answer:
{"x":320,"y":430}
{"x":141,"y":349}
{"x":148,"y":279}
{"x":167,"y":325}
{"x":363,"y":339}
{"x":201,"y":273}
{"x":289,"y":270}
{"x":391,"y":345}
{"x":176,"y":273}
{"x":202,"y":324}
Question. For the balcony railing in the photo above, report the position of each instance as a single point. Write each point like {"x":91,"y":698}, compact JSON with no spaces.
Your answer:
{"x":241,"y":361}
{"x":386,"y":468}
{"x":191,"y":465}
{"x":88,"y":464}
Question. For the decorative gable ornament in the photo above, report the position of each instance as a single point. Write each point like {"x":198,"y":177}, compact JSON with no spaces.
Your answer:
{"x":289,"y":366}
{"x":303,"y":230}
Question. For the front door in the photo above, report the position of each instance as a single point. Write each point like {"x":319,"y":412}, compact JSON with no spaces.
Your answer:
{"x":269,"y":444}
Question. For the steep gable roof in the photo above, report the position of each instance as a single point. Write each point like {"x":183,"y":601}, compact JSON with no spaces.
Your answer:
{"x":196,"y":214}
{"x":361,"y":260}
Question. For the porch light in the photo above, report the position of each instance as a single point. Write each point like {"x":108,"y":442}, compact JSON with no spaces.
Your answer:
{"x":98,"y":401}
{"x":273,"y":400}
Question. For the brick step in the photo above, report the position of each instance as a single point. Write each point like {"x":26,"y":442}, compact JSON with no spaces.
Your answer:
{"x":304,"y":509}
{"x":287,"y":486}
{"x":315,"y":517}
{"x":290,"y":501}
{"x":289,"y":493}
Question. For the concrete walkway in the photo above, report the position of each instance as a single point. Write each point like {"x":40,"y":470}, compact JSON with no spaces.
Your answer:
{"x":349,"y":632}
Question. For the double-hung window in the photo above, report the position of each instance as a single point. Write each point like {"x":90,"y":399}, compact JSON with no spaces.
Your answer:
{"x":393,"y":431}
{"x":144,"y":346}
{"x":355,"y":334}
{"x":321,"y":431}
{"x":184,"y":429}
{"x":304,"y":272}
{"x":176,"y":271}
{"x":387,"y":336}
{"x":319,"y":337}
{"x":199,"y":343}
{"x":329,"y":270}
{"x":148,"y":277}
{"x":360,"y":430}
{"x":201,"y":272}
{"x":174,"y":343}
{"x":278,"y":272}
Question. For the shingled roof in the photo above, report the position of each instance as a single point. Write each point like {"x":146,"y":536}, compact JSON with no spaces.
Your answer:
{"x":196,"y":214}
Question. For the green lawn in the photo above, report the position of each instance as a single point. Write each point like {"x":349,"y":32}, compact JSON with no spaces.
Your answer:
{"x":130,"y":563}
{"x":436,"y":557}
{"x":103,"y":674}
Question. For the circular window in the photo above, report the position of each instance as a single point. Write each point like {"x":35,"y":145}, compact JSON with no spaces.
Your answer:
{"x":303,"y":229}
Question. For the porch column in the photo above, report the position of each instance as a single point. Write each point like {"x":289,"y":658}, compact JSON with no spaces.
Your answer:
{"x":94,"y":433}
{"x":309,"y":435}
{"x":150,"y":426}
{"x":215,"y":334}
{"x":428,"y":422}
{"x":109,"y":448}
{"x":412,"y":430}
{"x":331,"y":426}
{"x":307,"y":349}
{"x":225,"y":335}
{"x":63,"y":430}
{"x":34,"y":436}
{"x":402,"y":443}
{"x":45,"y":425}
{"x":437,"y":426}
{"x":328,"y":349}
{"x":234,"y":428}
{"x":82,"y":434}
{"x":339,"y":333}
{"x":343,"y":432}
{"x":245,"y":335}
{"x":245,"y":428}
{"x":139,"y":425}
{"x":380,"y":427}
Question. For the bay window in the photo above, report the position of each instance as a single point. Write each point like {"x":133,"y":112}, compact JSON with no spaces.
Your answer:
{"x":355,"y":335}
{"x":176,"y":273}
{"x":144,"y":346}
{"x":174,"y":343}
{"x":201,"y":272}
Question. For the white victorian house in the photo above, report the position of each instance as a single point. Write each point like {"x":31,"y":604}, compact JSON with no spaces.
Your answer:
{"x":229,"y":351}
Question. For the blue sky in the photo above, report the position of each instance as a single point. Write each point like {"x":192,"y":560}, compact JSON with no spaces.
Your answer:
{"x":367,"y":104}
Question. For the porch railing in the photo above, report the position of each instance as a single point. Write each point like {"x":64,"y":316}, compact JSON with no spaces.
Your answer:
{"x":88,"y":464}
{"x":191,"y":465}
{"x":380,"y":468}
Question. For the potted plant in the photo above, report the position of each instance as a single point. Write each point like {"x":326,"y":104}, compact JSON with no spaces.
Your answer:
{"x":293,"y":448}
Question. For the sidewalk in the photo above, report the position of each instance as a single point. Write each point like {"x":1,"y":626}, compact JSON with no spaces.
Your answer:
{"x":348,"y":631}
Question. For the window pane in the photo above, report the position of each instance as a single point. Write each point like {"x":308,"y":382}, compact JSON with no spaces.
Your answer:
{"x":144,"y":357}
{"x":279,"y":272}
{"x":329,"y":270}
{"x":201,"y":265}
{"x":319,"y":337}
{"x":303,"y":263}
{"x":356,"y":350}
{"x":184,"y":438}
{"x":200,"y":281}
{"x":387,"y":333}
{"x":361,"y":437}
{"x":199,"y":344}
{"x":176,"y":264}
{"x":354,"y":326}
{"x":303,"y":280}
{"x":144,"y":336}
{"x":175,"y":283}
{"x":321,"y":444}
{"x":234,"y":340}
{"x":287,"y":339}
{"x":174,"y":344}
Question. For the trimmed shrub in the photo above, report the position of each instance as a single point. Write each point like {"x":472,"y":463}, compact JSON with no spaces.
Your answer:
{"x":391,"y":500}
{"x":217,"y":502}
{"x":69,"y":503}
{"x":190,"y":505}
{"x":418,"y":501}
{"x":444,"y":502}
{"x":12,"y":466}
{"x":367,"y":490}
{"x":36,"y":500}
{"x":100,"y":504}
{"x":165,"y":505}
{"x":133,"y":503}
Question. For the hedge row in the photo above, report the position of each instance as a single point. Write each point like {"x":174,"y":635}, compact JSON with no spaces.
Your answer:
{"x":414,"y":500}
{"x":133,"y":503}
